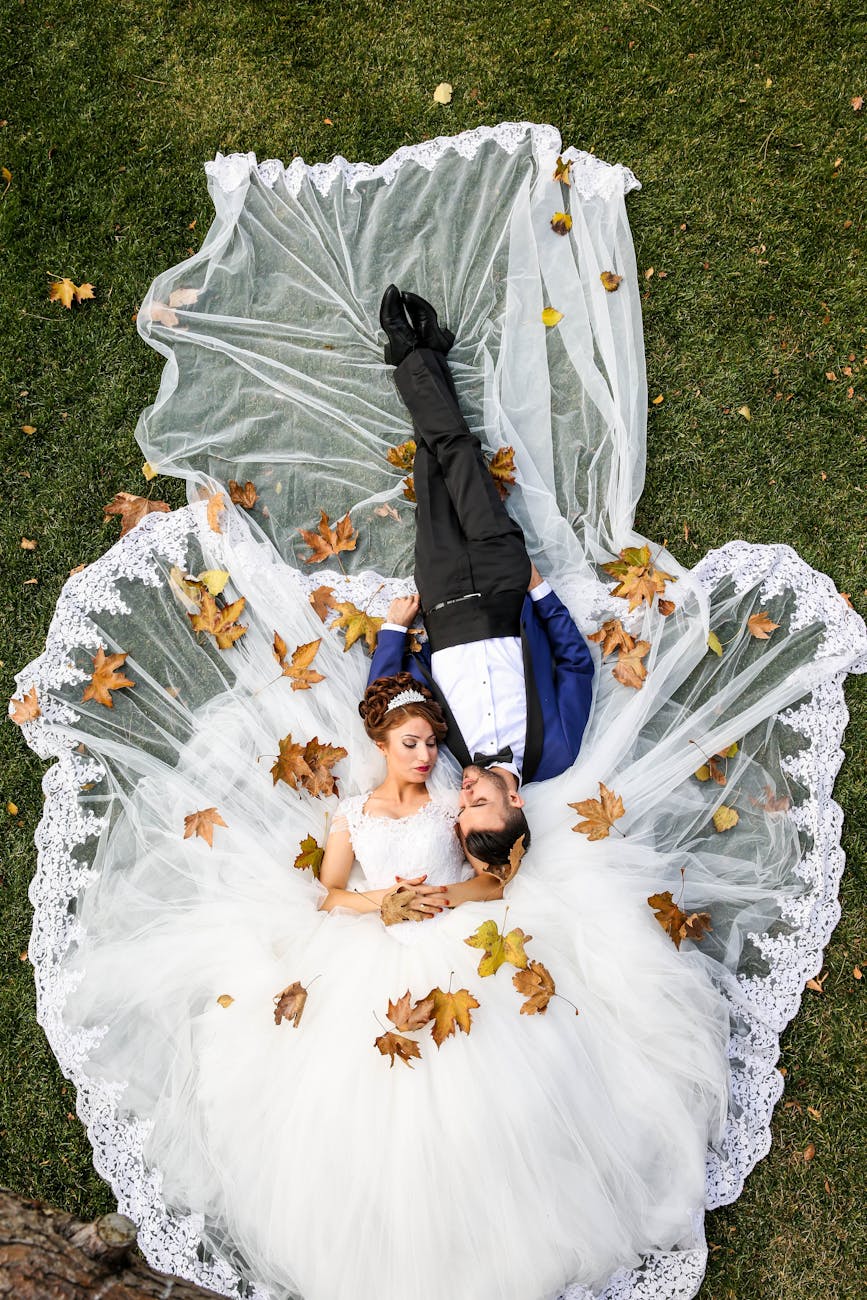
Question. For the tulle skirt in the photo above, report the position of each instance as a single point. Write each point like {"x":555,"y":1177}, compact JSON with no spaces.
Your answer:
{"x":535,"y":1155}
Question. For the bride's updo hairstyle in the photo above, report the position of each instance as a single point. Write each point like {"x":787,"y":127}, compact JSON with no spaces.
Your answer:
{"x":379,"y":719}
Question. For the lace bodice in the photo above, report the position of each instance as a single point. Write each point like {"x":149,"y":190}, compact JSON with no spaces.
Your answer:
{"x":423,"y":842}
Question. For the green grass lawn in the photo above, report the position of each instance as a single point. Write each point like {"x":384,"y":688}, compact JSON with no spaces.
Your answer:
{"x":740,"y":126}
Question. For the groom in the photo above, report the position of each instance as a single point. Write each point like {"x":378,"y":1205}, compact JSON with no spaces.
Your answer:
{"x":504,"y":659}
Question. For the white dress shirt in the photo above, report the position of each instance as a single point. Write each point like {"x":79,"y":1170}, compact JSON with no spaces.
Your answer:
{"x":483,"y":682}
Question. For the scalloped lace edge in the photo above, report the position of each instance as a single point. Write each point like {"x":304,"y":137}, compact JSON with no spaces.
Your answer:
{"x":591,"y":176}
{"x":170,"y":1240}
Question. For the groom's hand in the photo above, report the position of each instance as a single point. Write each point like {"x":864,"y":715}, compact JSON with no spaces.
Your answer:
{"x":403,"y":610}
{"x":427,"y":904}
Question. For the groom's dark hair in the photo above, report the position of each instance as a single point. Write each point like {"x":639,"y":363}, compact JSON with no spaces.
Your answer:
{"x":494,"y":847}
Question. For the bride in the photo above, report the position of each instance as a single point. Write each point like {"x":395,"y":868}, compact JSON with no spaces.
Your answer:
{"x":318,"y":1050}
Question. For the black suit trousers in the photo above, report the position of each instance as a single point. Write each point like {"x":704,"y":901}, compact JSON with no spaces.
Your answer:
{"x":466,"y":540}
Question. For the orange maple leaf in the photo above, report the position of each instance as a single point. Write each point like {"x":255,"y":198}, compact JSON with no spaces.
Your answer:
{"x":675,"y":922}
{"x":220,"y":622}
{"x":299,"y":670}
{"x":65,"y":290}
{"x":245,"y":496}
{"x":760,"y":626}
{"x":308,"y":765}
{"x":629,"y":670}
{"x":356,"y":623}
{"x":450,"y":1010}
{"x":612,"y":635}
{"x":639,"y":579}
{"x":132,"y":509}
{"x":322,"y":600}
{"x":216,"y":505}
{"x":105,"y":678}
{"x":403,"y":455}
{"x":289,"y":1004}
{"x":328,"y":541}
{"x":202,"y":824}
{"x":502,"y":469}
{"x":26,"y":709}
{"x":407,"y":1015}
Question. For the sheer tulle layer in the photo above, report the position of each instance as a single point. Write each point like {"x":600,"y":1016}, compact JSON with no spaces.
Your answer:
{"x":226,"y":1124}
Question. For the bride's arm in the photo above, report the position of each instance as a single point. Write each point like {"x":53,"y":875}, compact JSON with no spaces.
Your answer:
{"x":334,"y":873}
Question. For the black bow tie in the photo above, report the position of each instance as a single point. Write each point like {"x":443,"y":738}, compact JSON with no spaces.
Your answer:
{"x":503,"y":755}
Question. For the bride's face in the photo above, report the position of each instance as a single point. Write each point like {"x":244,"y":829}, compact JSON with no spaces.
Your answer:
{"x":410,"y":750}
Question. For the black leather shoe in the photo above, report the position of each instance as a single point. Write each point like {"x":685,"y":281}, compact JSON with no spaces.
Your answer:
{"x":430,"y":333}
{"x":392,"y":317}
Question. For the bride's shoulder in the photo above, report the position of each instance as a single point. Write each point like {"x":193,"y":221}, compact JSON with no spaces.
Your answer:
{"x":446,"y":803}
{"x":347,"y":813}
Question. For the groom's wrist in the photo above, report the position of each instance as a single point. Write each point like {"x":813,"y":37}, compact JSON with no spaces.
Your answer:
{"x":541,"y":589}
{"x":393,"y":627}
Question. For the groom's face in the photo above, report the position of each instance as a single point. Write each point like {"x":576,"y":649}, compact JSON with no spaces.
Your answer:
{"x":484,"y":800}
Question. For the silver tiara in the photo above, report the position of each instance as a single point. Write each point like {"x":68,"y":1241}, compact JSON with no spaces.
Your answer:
{"x":406,"y":697}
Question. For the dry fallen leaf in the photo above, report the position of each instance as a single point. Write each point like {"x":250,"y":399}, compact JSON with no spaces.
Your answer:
{"x":409,"y":488}
{"x":26,"y":709}
{"x":498,"y":948}
{"x":713,"y":770}
{"x":201,"y":824}
{"x":600,"y":814}
{"x":216,"y":505}
{"x":105,"y":678}
{"x":561,"y":223}
{"x":665,"y":607}
{"x":148,"y":471}
{"x":504,"y":873}
{"x":725,"y":818}
{"x":245,"y":496}
{"x":612,"y":636}
{"x":638,"y":578}
{"x":219,"y":622}
{"x":183,"y":297}
{"x":562,"y":171}
{"x":328,"y":541}
{"x":443,"y":93}
{"x":311,"y":855}
{"x":308,"y":765}
{"x":610,"y":281}
{"x":402,"y":456}
{"x":550,"y":316}
{"x":398,"y":1047}
{"x":675,"y":922}
{"x":132,"y":510}
{"x":27,"y":544}
{"x":298,"y":669}
{"x":289,"y":1004}
{"x":536,"y":984}
{"x":629,"y":670}
{"x":450,"y":1010}
{"x":399,"y":906}
{"x":714,"y":643}
{"x":760,"y":626}
{"x":407,"y":1015}
{"x":64,"y":291}
{"x":356,"y":623}
{"x":225,"y":999}
{"x":322,"y":600}
{"x":502,"y":469}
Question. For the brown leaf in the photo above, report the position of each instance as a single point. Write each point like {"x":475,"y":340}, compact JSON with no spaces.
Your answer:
{"x":502,"y":469}
{"x":760,"y":626}
{"x":677,"y":925}
{"x":506,"y":872}
{"x":299,"y":670}
{"x":561,"y":223}
{"x":450,"y":1010}
{"x":245,"y":496}
{"x":600,"y":814}
{"x":105,"y":678}
{"x":132,"y":509}
{"x":713,"y":769}
{"x":311,"y":856}
{"x":356,"y":623}
{"x":291,"y":766}
{"x":322,"y":600}
{"x":225,"y":1000}
{"x":665,"y":607}
{"x":409,"y":488}
{"x":809,"y":1152}
{"x":402,"y":456}
{"x":562,"y":171}
{"x":772,"y":802}
{"x":536,"y":984}
{"x":216,"y":505}
{"x":219,"y":622}
{"x":308,"y":765}
{"x":612,"y":636}
{"x":399,"y":906}
{"x":397,"y":1047}
{"x":407,"y":1015}
{"x":629,"y":670}
{"x":289,"y":1004}
{"x":26,"y":709}
{"x":329,"y":541}
{"x":202,"y":824}
{"x":639,"y":579}
{"x":610,"y":281}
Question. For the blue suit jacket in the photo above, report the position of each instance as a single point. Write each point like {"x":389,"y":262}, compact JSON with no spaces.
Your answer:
{"x":558,"y":668}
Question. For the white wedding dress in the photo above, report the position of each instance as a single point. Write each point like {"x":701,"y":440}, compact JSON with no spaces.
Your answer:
{"x":535,"y":1155}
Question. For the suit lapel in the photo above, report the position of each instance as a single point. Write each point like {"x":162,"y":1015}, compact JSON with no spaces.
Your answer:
{"x":454,"y":738}
{"x":535,"y":726}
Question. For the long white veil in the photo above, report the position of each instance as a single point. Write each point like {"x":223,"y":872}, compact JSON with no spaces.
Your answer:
{"x":274,"y":374}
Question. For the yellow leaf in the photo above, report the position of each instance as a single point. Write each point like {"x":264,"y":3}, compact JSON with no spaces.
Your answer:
{"x":498,"y":948}
{"x":714,"y":643}
{"x":659,"y":398}
{"x":225,"y":999}
{"x":12,"y":809}
{"x":443,"y":93}
{"x":357,"y":623}
{"x":214,"y":579}
{"x":550,"y":316}
{"x":725,"y":818}
{"x":148,"y":470}
{"x":745,"y":412}
{"x":561,"y":223}
{"x":610,"y":281}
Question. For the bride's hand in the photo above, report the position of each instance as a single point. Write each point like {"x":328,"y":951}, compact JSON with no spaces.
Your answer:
{"x":434,"y":905}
